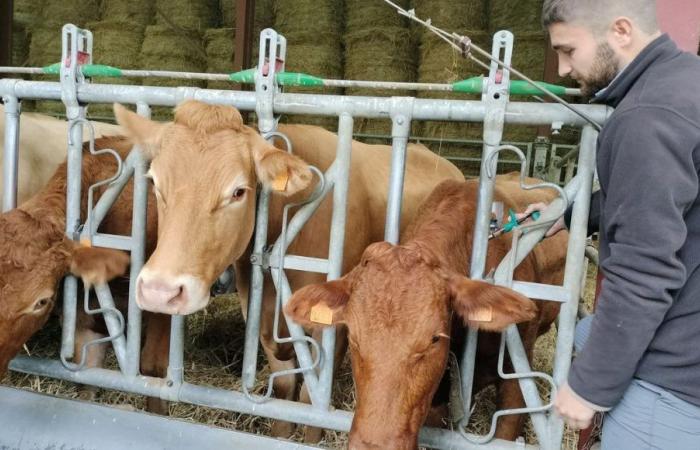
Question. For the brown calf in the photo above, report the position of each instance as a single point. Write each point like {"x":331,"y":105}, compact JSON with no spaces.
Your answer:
{"x":398,"y":305}
{"x":35,"y":254}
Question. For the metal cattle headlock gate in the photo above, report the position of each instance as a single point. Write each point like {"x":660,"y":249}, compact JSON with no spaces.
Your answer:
{"x":90,"y":426}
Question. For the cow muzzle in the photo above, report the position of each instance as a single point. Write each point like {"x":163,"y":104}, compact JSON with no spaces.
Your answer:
{"x":181,"y":295}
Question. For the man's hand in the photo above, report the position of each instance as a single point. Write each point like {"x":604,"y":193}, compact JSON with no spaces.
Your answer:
{"x":576,"y":413}
{"x":554,"y":229}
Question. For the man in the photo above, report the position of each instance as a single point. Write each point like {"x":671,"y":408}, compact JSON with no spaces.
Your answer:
{"x":641,"y":362}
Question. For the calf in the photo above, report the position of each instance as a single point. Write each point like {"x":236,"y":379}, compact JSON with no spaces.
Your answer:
{"x":35,"y":254}
{"x":398,"y":304}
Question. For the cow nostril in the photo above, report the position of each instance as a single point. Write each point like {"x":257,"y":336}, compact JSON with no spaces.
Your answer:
{"x":179,"y":296}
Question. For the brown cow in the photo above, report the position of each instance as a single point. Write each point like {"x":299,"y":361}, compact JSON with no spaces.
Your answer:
{"x":398,"y":305}
{"x":205,"y":169}
{"x":42,"y":143}
{"x":35,"y":254}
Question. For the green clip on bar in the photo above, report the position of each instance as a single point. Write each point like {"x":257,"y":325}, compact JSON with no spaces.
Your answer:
{"x":283,"y":78}
{"x":475,"y":85}
{"x":89,"y":70}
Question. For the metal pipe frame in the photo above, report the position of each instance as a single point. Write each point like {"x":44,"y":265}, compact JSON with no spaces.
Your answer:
{"x":10,"y":156}
{"x":494,"y":110}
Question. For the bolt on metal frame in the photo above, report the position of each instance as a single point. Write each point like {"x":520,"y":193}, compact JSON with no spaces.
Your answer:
{"x":268,"y":101}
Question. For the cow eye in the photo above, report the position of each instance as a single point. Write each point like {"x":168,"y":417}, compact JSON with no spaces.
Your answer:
{"x":42,"y":303}
{"x":238,"y":194}
{"x":436,"y":339}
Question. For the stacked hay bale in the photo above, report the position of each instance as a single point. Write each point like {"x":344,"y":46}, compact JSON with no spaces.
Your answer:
{"x":523,"y":19}
{"x":227,"y":11}
{"x":131,"y":13}
{"x":20,"y":44}
{"x":219,"y":48}
{"x":117,"y":43}
{"x":439,"y":63}
{"x":378,"y":46}
{"x":45,"y":47}
{"x":175,"y":43}
{"x":313,"y":46}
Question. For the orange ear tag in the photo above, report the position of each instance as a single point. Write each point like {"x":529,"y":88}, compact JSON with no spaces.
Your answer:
{"x":280,"y":182}
{"x":481,"y":315}
{"x":85,"y":242}
{"x":321,"y":313}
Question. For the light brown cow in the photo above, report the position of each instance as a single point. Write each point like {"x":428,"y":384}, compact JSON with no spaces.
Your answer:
{"x":42,"y":148}
{"x":398,"y":305}
{"x":35,"y":254}
{"x":205,"y":167}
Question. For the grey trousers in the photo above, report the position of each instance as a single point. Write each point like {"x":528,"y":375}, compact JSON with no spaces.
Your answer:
{"x":647,"y":417}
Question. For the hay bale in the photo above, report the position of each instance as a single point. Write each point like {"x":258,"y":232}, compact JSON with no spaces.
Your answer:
{"x":453,"y":15}
{"x":219,"y":48}
{"x":27,"y":12}
{"x":381,"y":54}
{"x":20,"y":45}
{"x":45,"y":49}
{"x":363,"y":14}
{"x":515,"y":15}
{"x":167,"y":49}
{"x":313,"y":47}
{"x":137,"y":14}
{"x":77,"y":12}
{"x":115,"y":43}
{"x":227,"y":10}
{"x":187,"y":14}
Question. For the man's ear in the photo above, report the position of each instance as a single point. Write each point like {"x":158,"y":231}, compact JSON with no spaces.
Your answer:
{"x":277,"y":169}
{"x":142,"y":131}
{"x":319,"y":304}
{"x":97,"y":265}
{"x":488,"y":307}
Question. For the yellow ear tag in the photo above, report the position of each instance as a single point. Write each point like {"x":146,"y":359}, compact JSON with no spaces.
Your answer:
{"x":85,"y":242}
{"x":481,"y":315}
{"x":321,"y":313}
{"x":280,"y":182}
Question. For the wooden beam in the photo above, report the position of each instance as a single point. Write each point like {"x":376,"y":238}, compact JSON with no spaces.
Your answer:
{"x":6,"y":8}
{"x":551,"y":75}
{"x":245,"y":16}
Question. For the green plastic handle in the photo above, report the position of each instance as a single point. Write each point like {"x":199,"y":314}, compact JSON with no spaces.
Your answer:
{"x":89,"y":70}
{"x":298,"y":79}
{"x":244,"y":76}
{"x":475,"y":85}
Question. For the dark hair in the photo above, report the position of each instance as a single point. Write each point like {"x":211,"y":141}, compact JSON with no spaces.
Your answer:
{"x":600,"y":13}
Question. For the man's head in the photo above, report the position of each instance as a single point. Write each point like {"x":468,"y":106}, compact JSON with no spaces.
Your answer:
{"x":595,"y":39}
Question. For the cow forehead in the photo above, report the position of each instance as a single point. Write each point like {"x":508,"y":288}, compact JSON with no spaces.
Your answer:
{"x":188,"y":156}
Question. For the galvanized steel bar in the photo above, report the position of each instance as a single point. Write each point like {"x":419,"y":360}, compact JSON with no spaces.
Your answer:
{"x":522,"y":113}
{"x":110,"y":195}
{"x":10,"y":157}
{"x":114,"y":326}
{"x":495,"y":103}
{"x":574,"y":267}
{"x":233,"y":401}
{"x":336,"y":248}
{"x":400,"y":129}
{"x":176,"y":364}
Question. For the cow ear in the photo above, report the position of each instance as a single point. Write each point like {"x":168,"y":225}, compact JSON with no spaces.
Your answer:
{"x":277,"y":169}
{"x":142,"y":131}
{"x":487,"y":307}
{"x":319,"y":304}
{"x":97,"y":265}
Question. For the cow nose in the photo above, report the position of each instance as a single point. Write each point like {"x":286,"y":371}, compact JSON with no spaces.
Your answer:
{"x":161,"y":296}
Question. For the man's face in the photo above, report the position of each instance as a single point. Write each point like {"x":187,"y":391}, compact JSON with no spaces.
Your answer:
{"x":590,"y":61}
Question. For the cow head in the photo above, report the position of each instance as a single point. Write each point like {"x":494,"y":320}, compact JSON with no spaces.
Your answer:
{"x":205,"y":168}
{"x":34,"y":256}
{"x":397,"y":304}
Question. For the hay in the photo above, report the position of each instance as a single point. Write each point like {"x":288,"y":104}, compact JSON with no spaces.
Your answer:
{"x":177,"y":50}
{"x":187,"y":14}
{"x":313,"y":47}
{"x":77,"y":12}
{"x":20,"y":45}
{"x":115,"y":43}
{"x":27,"y":12}
{"x":515,"y":15}
{"x":452,"y":15}
{"x":45,"y":49}
{"x":364,"y":14}
{"x":219,"y":48}
{"x":137,"y":14}
{"x":227,"y":9}
{"x":381,"y":54}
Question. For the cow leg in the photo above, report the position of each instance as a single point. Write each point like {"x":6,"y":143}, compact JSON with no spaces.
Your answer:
{"x":509,"y":394}
{"x":95,"y":357}
{"x":154,"y":356}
